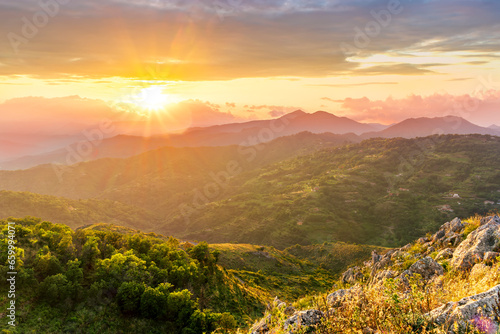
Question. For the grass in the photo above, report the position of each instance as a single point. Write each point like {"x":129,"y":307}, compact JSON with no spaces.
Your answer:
{"x":391,"y":308}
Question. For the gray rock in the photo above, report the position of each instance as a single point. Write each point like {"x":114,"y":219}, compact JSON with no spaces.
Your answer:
{"x":454,"y":226}
{"x":438,"y":236}
{"x":427,"y":268}
{"x":384,"y":261}
{"x":303,"y":320}
{"x":452,"y":241}
{"x":444,"y":254}
{"x":336,"y":298}
{"x":375,"y":256}
{"x":262,"y":326}
{"x":466,"y":308}
{"x":352,"y":275}
{"x":384,"y":274}
{"x":485,"y":239}
{"x":406,"y":247}
{"x":423,"y":240}
{"x":486,"y":220}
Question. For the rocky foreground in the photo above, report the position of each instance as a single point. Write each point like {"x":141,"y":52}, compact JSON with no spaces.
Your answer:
{"x":448,"y":282}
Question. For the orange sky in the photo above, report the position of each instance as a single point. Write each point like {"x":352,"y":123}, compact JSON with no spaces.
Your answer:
{"x":374,"y":61}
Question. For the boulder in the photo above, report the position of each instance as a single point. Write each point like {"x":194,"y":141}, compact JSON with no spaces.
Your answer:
{"x":444,"y":254}
{"x":453,"y":240}
{"x":427,"y":268}
{"x":423,"y":240}
{"x":352,"y":275}
{"x":383,"y":275}
{"x":336,"y":298}
{"x":486,"y":220}
{"x":484,"y":239}
{"x":383,"y":262}
{"x":303,"y":321}
{"x":467,"y":308}
{"x":454,"y":226}
{"x":449,"y":233}
{"x":406,"y":247}
{"x":438,"y":236}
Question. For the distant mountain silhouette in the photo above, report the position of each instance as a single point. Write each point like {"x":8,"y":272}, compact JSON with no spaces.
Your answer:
{"x":252,"y":133}
{"x":244,"y":134}
{"x":423,"y":127}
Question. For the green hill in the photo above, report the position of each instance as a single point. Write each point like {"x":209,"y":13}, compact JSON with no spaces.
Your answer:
{"x":74,"y":213}
{"x":382,"y":191}
{"x":303,"y":189}
{"x":292,"y":273}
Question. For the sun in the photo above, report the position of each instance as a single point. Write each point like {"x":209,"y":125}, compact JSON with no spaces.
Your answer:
{"x":151,"y":98}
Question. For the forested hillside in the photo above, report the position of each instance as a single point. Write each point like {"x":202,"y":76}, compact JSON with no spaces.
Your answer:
{"x":110,"y":279}
{"x":382,"y":191}
{"x":304,"y":189}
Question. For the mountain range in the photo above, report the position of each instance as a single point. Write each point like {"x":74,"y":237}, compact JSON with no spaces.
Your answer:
{"x":243,"y":134}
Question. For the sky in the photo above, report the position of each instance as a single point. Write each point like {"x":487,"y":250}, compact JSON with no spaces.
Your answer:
{"x":184,"y":63}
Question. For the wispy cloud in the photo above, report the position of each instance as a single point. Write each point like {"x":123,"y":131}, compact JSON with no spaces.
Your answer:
{"x":190,"y":41}
{"x":479,"y":109}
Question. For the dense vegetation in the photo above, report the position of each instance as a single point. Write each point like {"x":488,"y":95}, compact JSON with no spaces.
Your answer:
{"x":105,"y":279}
{"x":381,"y":192}
{"x":294,"y":272}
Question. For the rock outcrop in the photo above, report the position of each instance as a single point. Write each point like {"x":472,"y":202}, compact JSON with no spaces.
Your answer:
{"x":426,"y":268}
{"x":336,"y":298}
{"x":484,"y":239}
{"x":467,"y":308}
{"x":303,"y":321}
{"x":352,"y":275}
{"x":445,"y":253}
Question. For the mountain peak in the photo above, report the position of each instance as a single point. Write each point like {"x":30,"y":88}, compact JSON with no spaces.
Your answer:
{"x":294,"y":114}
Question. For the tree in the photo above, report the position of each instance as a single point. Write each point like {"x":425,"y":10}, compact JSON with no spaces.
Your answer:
{"x":129,"y":297}
{"x":153,"y":303}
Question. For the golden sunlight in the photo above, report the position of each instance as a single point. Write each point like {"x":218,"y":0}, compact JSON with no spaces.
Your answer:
{"x":151,"y":98}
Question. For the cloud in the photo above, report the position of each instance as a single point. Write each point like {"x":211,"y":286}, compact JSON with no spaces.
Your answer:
{"x":354,"y":84}
{"x":481,"y":108}
{"x":195,"y":40}
{"x":67,"y":116}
